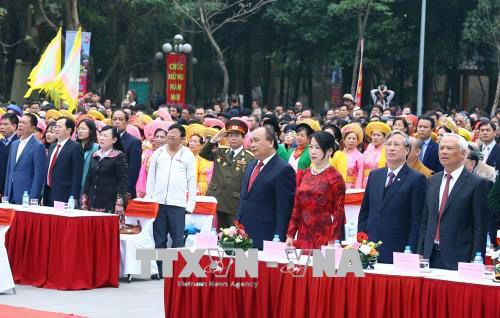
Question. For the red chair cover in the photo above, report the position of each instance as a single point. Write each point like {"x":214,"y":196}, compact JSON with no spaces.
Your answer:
{"x":354,"y":198}
{"x":6,"y":216}
{"x":205,"y":205}
{"x":142,"y":209}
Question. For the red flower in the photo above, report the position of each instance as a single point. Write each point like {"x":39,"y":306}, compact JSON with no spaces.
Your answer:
{"x":362,"y":237}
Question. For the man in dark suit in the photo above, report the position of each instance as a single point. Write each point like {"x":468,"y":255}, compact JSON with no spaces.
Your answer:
{"x":27,"y":163}
{"x":454,"y":218}
{"x":489,"y":148}
{"x":392,"y":204}
{"x":8,"y":127}
{"x":65,"y":165}
{"x":132,"y":148}
{"x":429,"y":154}
{"x":267,"y":190}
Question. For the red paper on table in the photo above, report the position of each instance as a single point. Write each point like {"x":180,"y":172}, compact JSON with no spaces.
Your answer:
{"x":6,"y":216}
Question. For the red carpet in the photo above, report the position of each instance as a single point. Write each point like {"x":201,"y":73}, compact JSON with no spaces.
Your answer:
{"x":16,"y":312}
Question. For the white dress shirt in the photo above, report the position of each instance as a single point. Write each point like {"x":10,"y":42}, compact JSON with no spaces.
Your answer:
{"x":395,"y":171}
{"x":454,"y":177}
{"x":22,"y":145}
{"x":265,"y":161}
{"x":487,"y":150}
{"x":236,"y":151}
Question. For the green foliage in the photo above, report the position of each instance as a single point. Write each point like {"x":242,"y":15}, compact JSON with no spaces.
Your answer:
{"x":483,"y":24}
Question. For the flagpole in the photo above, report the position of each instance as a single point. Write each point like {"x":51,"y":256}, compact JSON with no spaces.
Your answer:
{"x":421,"y":60}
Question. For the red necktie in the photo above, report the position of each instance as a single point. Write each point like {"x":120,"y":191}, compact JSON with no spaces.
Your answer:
{"x":49,"y":176}
{"x":254,"y":175}
{"x":443,"y":204}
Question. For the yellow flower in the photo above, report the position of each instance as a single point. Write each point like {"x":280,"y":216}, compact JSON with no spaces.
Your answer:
{"x":371,"y":244}
{"x":379,"y":243}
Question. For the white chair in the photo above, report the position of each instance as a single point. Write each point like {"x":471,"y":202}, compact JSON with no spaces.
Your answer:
{"x":203,"y":218}
{"x":145,"y":213}
{"x":6,"y":280}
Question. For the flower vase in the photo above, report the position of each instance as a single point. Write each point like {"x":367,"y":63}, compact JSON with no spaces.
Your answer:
{"x":369,"y":264}
{"x":228,"y":247}
{"x":496,"y":263}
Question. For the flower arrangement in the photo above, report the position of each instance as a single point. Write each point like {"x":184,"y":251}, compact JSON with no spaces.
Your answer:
{"x":368,"y":252}
{"x":496,"y":263}
{"x":234,"y":237}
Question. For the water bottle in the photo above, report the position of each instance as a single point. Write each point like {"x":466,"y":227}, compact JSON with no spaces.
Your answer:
{"x":337,"y":243}
{"x":26,"y":199}
{"x":407,"y":249}
{"x":276,"y":238}
{"x":71,"y":203}
{"x":351,"y":235}
{"x":488,"y":259}
{"x":478,"y":259}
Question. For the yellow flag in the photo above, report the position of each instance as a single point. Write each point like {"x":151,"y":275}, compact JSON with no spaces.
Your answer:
{"x":67,"y":82}
{"x":45,"y":72}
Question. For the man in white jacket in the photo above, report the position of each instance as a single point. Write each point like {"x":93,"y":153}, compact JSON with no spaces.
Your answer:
{"x":172,"y":183}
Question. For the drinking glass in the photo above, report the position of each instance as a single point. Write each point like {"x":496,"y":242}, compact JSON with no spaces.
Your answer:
{"x":489,"y":272}
{"x":424,"y":265}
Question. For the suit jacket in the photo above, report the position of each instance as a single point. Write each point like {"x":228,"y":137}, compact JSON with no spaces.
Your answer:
{"x":494,"y":209}
{"x":393,"y":218}
{"x":227,"y":176}
{"x":66,"y":174}
{"x":463,"y":222}
{"x":266,"y":209}
{"x":493,"y":157}
{"x":431,"y":158}
{"x":4,"y":158}
{"x":132,"y":148}
{"x":28,"y":173}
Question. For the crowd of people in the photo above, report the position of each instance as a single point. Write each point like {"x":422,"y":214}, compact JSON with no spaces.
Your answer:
{"x":429,"y":180}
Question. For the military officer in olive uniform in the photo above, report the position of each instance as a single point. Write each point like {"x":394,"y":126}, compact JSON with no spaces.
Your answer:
{"x":229,"y":165}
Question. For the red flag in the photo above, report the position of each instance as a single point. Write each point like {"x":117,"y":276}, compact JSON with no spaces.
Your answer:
{"x":359,"y":88}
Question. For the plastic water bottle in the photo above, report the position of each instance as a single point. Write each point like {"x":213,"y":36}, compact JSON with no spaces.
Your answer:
{"x":337,"y":243}
{"x":276,"y":238}
{"x":351,"y":233}
{"x":71,"y":203}
{"x":407,"y":249}
{"x":488,"y":260}
{"x":478,"y":258}
{"x":26,"y":199}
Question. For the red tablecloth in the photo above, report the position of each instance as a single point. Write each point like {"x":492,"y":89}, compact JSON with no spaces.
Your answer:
{"x":67,"y":253}
{"x":282,"y":295}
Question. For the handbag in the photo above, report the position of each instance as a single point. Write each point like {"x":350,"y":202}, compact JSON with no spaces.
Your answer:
{"x":130,"y":228}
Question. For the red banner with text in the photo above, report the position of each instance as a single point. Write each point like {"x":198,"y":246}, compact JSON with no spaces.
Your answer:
{"x":176,"y":79}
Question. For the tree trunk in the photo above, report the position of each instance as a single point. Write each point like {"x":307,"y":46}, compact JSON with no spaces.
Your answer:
{"x":310,"y":86}
{"x":296,"y":87}
{"x":221,"y":62}
{"x":497,"y":96}
{"x":247,"y":73}
{"x":72,"y":21}
{"x":355,"y":68}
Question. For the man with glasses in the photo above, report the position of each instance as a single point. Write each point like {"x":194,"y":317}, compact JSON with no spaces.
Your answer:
{"x":393,"y":201}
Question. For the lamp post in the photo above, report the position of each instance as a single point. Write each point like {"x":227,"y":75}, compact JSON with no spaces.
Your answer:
{"x":174,"y":55}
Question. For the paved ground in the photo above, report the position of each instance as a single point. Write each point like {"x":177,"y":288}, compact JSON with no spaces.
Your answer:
{"x":141,"y":298}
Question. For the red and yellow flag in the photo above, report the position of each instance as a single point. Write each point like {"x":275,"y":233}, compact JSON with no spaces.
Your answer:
{"x":67,"y":82}
{"x":45,"y":72}
{"x":359,"y":87}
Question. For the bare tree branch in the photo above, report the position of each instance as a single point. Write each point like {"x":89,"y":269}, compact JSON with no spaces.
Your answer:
{"x":45,"y":17}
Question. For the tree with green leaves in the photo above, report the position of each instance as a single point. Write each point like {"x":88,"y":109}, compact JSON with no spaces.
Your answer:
{"x":360,"y":10}
{"x":209,"y":16}
{"x":483,"y":26}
